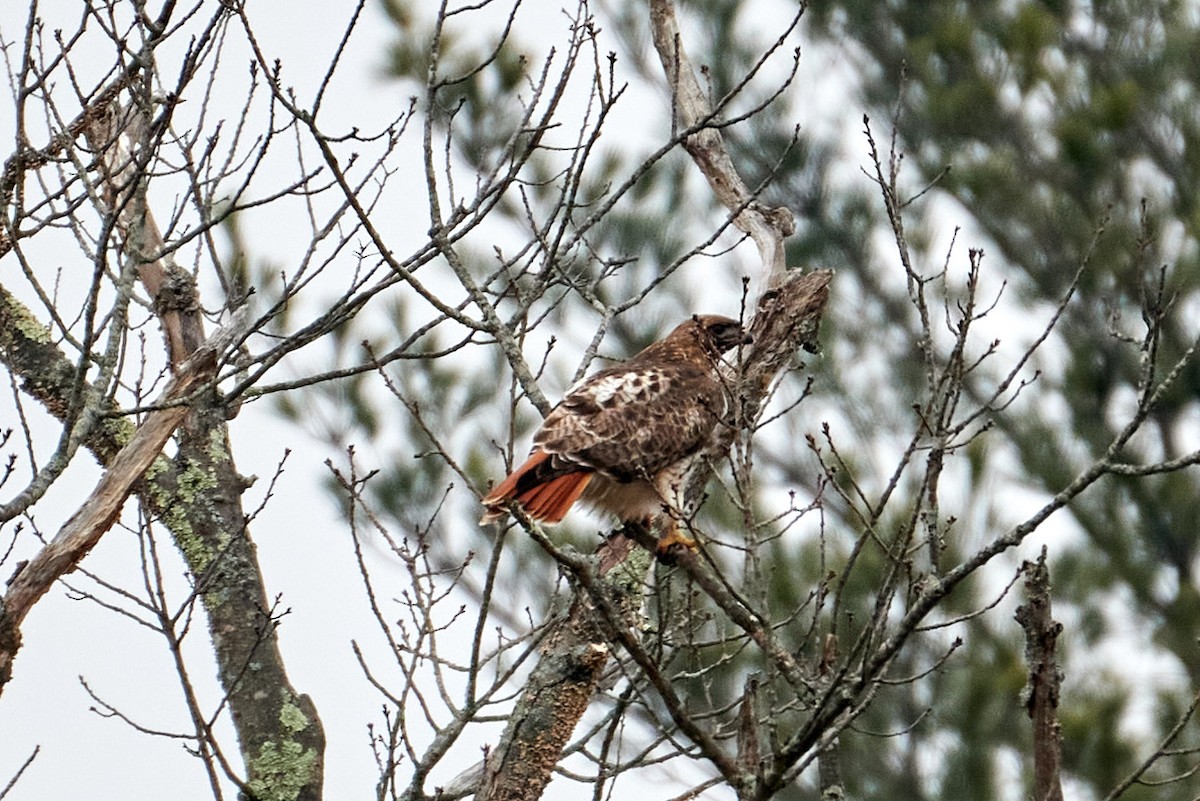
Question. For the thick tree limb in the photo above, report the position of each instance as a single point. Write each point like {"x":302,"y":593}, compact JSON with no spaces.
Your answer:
{"x":279,"y":733}
{"x":198,"y":497}
{"x":786,"y":320}
{"x":97,"y":514}
{"x":564,"y":680}
{"x":829,"y":763}
{"x":48,"y":376}
{"x":1045,"y":679}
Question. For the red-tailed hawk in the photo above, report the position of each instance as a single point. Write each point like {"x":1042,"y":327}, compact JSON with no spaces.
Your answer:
{"x":623,"y":439}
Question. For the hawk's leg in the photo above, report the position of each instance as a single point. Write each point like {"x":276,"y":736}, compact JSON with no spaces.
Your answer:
{"x":673,"y":536}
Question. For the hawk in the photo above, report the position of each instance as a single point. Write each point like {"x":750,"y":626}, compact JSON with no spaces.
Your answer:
{"x":622,"y":440}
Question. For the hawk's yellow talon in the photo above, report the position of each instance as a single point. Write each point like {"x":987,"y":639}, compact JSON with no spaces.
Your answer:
{"x":674,"y":537}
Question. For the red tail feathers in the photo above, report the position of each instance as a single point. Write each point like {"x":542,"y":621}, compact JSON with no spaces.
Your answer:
{"x":543,"y":498}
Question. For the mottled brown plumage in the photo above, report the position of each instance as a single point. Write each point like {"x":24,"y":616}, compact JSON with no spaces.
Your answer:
{"x":622,"y":439}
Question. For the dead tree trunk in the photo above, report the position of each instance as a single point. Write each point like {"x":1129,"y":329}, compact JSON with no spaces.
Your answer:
{"x":1045,"y":680}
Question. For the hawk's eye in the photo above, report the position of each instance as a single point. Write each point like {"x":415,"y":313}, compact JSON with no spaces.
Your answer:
{"x":726,"y":335}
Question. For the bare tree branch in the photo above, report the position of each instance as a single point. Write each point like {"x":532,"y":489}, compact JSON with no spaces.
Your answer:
{"x":768,"y":227}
